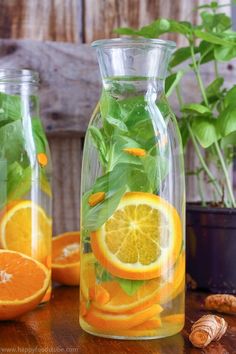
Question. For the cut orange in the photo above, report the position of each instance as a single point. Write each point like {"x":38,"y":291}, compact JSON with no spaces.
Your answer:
{"x":26,"y":228}
{"x":141,"y":238}
{"x":177,"y":318}
{"x":23,"y":283}
{"x":107,"y":321}
{"x":160,"y":290}
{"x":66,"y":258}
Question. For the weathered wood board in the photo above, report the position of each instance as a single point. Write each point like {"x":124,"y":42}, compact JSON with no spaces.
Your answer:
{"x":56,"y":20}
{"x":86,"y":20}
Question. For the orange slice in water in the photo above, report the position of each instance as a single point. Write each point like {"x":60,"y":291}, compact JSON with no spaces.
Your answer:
{"x":26,"y":228}
{"x":108,"y":321}
{"x":66,"y":258}
{"x":23,"y":283}
{"x":140,"y":239}
{"x":113,"y":299}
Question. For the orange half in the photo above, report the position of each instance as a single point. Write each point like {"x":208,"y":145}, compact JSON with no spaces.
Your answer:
{"x":66,"y":258}
{"x":23,"y":283}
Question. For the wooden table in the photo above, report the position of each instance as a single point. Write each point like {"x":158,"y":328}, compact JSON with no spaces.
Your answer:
{"x":54,"y":328}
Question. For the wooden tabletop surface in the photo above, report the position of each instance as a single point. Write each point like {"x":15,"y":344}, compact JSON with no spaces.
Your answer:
{"x":54,"y":328}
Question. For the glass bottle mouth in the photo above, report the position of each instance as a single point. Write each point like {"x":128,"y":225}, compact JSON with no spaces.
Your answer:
{"x":127,"y":42}
{"x":18,"y":76}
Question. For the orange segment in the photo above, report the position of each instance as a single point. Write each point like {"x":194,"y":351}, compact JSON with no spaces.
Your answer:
{"x":141,"y":238}
{"x":23,"y":283}
{"x":26,"y":228}
{"x":107,"y":321}
{"x":66,"y":258}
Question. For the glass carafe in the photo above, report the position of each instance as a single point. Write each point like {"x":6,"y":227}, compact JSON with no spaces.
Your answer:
{"x":132,"y":199}
{"x":25,"y":174}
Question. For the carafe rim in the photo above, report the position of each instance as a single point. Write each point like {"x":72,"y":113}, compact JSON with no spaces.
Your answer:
{"x":126,"y":42}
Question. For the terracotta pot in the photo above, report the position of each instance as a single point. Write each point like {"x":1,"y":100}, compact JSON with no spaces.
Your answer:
{"x":211,"y":248}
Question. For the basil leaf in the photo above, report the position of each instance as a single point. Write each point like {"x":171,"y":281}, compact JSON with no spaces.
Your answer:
{"x":172,"y":81}
{"x":102,"y":275}
{"x":226,"y":122}
{"x":180,"y":55}
{"x":11,"y":106}
{"x":99,"y":143}
{"x":39,"y":135}
{"x":196,"y":108}
{"x":130,"y":287}
{"x":95,"y":217}
{"x":212,"y":38}
{"x":229,"y":99}
{"x":213,"y":89}
{"x":223,"y":53}
{"x":18,"y":181}
{"x":205,"y":129}
{"x":116,"y":123}
{"x":12,"y":141}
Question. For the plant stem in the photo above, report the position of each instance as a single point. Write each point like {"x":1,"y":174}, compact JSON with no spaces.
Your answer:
{"x":219,"y":153}
{"x":227,"y":179}
{"x":198,"y":76}
{"x":216,"y":69}
{"x":200,"y":189}
{"x":203,"y":163}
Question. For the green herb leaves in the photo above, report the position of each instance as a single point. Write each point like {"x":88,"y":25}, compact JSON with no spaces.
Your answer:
{"x":129,"y":286}
{"x":13,"y":146}
{"x":212,"y":121}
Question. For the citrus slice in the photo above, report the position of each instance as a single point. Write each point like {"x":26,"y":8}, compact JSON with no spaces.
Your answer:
{"x":23,"y":283}
{"x":141,"y":238}
{"x":103,"y":320}
{"x":26,"y":228}
{"x":66,"y":258}
{"x":160,"y":290}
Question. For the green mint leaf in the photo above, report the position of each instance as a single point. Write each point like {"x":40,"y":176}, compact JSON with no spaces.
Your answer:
{"x":99,"y":143}
{"x":205,"y":129}
{"x":195,"y":108}
{"x":130,"y":287}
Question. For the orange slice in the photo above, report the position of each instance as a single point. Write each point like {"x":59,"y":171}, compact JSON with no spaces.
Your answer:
{"x":177,"y":318}
{"x":115,"y":300}
{"x":66,"y":258}
{"x":141,"y":238}
{"x":23,"y":283}
{"x":103,"y":320}
{"x":26,"y":228}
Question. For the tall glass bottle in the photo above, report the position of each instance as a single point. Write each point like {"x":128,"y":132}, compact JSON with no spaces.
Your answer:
{"x":25,"y":170}
{"x":133,"y":199}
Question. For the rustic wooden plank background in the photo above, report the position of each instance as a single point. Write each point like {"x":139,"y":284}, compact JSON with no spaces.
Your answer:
{"x":69,"y":74}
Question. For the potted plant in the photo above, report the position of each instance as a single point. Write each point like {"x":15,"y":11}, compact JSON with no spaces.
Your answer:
{"x":210,"y":126}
